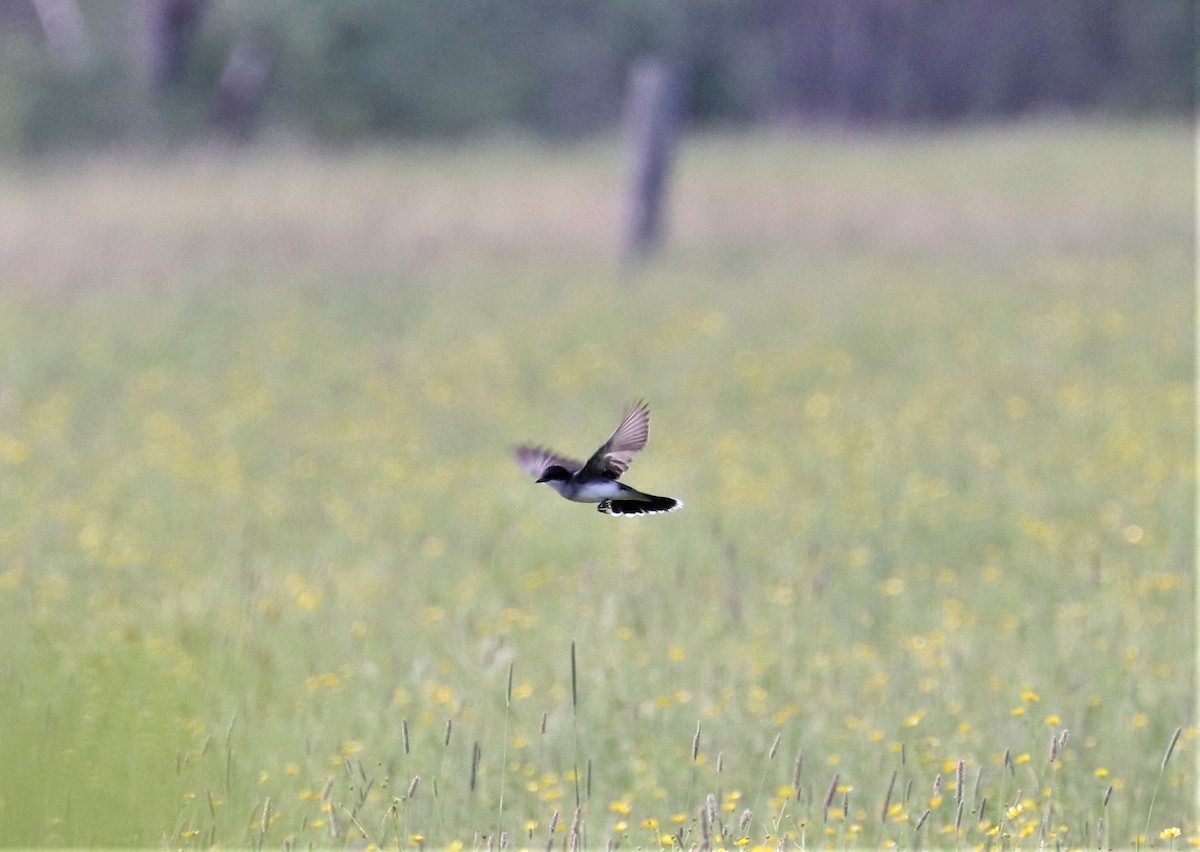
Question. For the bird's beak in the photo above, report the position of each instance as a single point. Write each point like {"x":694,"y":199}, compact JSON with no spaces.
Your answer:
{"x":543,"y":479}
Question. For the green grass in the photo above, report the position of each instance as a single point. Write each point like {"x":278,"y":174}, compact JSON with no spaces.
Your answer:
{"x":929,"y":400}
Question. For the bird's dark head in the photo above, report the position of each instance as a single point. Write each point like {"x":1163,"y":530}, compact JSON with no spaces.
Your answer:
{"x":555,"y":473}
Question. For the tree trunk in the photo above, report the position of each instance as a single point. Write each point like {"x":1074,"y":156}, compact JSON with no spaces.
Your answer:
{"x":66,"y":35}
{"x":171,"y":25}
{"x":238,"y":98}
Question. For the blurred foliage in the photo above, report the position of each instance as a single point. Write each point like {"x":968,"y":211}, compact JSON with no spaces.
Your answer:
{"x":359,"y":68}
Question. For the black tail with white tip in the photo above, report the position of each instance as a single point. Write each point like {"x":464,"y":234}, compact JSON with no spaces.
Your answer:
{"x":650,"y":505}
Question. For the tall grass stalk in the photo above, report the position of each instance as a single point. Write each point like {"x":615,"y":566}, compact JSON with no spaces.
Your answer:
{"x":1162,"y":769}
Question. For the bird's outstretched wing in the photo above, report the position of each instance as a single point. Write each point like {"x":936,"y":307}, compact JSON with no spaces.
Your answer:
{"x":613,"y":458}
{"x":535,"y":460}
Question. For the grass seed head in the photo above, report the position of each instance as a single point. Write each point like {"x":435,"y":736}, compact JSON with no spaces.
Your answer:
{"x":796,"y":767}
{"x":575,"y":835}
{"x":887,"y":798}
{"x":1170,"y":749}
{"x":266,"y":817}
{"x":921,"y":821}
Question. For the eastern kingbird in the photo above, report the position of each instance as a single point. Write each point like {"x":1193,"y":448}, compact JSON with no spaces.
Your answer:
{"x":596,"y":481}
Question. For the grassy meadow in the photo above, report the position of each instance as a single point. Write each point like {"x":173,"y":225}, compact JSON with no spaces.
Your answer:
{"x":269,"y":578}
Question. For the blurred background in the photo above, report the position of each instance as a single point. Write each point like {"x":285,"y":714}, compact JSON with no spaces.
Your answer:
{"x":112,"y":71}
{"x":908,"y":285}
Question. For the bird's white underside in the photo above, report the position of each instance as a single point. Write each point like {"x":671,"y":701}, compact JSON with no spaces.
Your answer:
{"x":594,"y":492}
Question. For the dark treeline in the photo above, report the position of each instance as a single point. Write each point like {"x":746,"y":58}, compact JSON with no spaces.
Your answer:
{"x":99,"y":71}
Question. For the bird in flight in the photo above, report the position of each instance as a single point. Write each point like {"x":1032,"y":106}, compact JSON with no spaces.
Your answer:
{"x":596,"y":480}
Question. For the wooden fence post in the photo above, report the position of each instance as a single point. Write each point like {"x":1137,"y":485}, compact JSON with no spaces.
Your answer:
{"x":653,"y":100}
